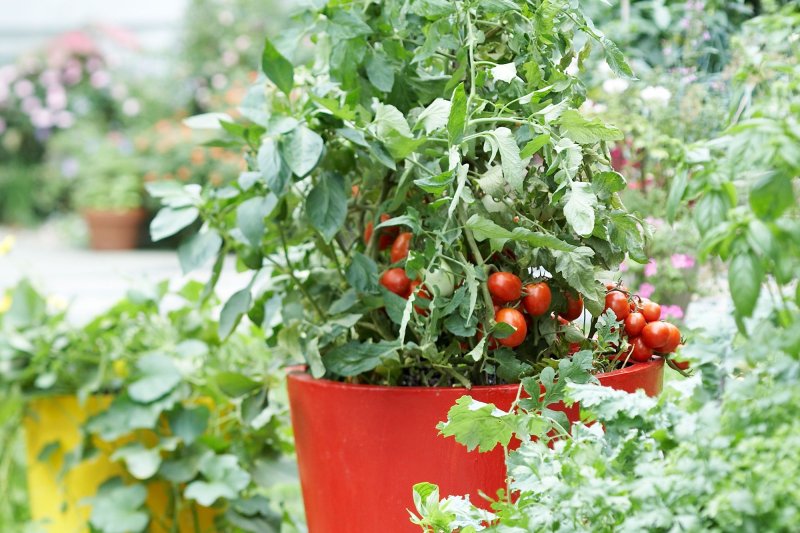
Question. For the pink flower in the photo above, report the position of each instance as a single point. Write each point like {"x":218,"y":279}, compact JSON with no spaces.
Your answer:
{"x":674,"y":311}
{"x":100,"y":79}
{"x":681,"y":261}
{"x":646,"y":290}
{"x":655,"y":222}
{"x":623,"y":267}
{"x":24,"y":88}
{"x":651,"y":268}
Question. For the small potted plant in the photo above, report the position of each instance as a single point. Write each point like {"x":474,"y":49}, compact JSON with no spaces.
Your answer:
{"x":109,"y":194}
{"x":142,"y":420}
{"x":425,"y":212}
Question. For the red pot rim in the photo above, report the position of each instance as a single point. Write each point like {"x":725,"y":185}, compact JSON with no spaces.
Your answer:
{"x":299,"y":373}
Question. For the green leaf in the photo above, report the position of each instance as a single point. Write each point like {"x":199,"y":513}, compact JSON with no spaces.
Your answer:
{"x":577,"y":269}
{"x":436,"y":184}
{"x":434,"y":116}
{"x":616,"y":59}
{"x":233,"y":310}
{"x":395,"y":305}
{"x":579,"y":208}
{"x":356,"y":357}
{"x":277,"y":68}
{"x":157,"y":377}
{"x":477,"y":424}
{"x":302,"y":149}
{"x":676,"y":192}
{"x":326,"y":205}
{"x":772,"y":195}
{"x":605,"y":184}
{"x":189,"y":423}
{"x":198,"y":250}
{"x":535,"y":145}
{"x":380,"y":72}
{"x":28,"y":307}
{"x":274,"y":170}
{"x":142,"y":463}
{"x":362,"y":274}
{"x":745,"y":275}
{"x":514,"y":169}
{"x":388,"y":121}
{"x":511,"y":369}
{"x":457,"y":120}
{"x":585,"y":131}
{"x":225,"y":479}
{"x":170,"y":221}
{"x":627,"y":235}
{"x":235,"y":385}
{"x":118,"y":508}
{"x":541,"y":240}
{"x":250,"y":217}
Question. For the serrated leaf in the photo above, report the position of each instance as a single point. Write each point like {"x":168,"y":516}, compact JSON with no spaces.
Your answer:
{"x":356,"y":357}
{"x":477,"y":425}
{"x":362,"y":274}
{"x":434,"y":116}
{"x":457,"y":120}
{"x":534,"y":145}
{"x":579,"y":208}
{"x":585,"y":131}
{"x":436,"y":184}
{"x":514,"y":169}
{"x":616,"y":59}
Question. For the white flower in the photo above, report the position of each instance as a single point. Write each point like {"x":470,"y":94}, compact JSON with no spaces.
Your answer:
{"x":615,"y":86}
{"x":65,"y":120}
{"x":23,"y":88}
{"x":242,"y":42}
{"x":656,"y":95}
{"x":100,"y":79}
{"x":131,"y":107}
{"x":219,"y":81}
{"x":505,"y":72}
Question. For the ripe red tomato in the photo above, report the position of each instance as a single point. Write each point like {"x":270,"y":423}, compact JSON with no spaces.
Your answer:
{"x":634,"y":324}
{"x":641,"y":353}
{"x":656,"y":334}
{"x":516,"y":320}
{"x":400,"y":247}
{"x":651,"y":310}
{"x":618,"y":302}
{"x":387,"y":235}
{"x":422,"y":294}
{"x":673,"y":340}
{"x":395,"y":280}
{"x":504,"y":287}
{"x":610,"y":286}
{"x":574,"y":306}
{"x":537,"y":298}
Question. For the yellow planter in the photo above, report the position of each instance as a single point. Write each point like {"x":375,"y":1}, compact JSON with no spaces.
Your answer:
{"x":55,"y":504}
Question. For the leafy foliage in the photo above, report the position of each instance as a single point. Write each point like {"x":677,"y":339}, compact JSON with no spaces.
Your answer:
{"x":458,"y":120}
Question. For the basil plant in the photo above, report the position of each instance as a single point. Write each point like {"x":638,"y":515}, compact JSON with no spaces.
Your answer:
{"x":448,"y":131}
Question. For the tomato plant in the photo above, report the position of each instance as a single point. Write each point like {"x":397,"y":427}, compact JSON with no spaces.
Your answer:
{"x":516,"y":320}
{"x":537,"y":298}
{"x":462,"y":121}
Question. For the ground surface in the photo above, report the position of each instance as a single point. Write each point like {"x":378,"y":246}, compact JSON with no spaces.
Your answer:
{"x":91,"y":281}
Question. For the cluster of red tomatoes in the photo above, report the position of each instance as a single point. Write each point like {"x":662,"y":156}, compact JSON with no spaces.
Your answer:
{"x":647,"y":333}
{"x":395,"y":279}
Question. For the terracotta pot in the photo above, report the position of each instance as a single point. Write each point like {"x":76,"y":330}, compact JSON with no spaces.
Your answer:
{"x":361,"y":448}
{"x":114,"y":230}
{"x":57,"y":499}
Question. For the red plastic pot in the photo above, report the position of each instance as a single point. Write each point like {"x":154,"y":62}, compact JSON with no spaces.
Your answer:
{"x":361,"y":448}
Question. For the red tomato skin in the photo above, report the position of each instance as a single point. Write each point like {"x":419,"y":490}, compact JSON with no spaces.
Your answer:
{"x":655,"y":335}
{"x":422,"y":294}
{"x":683,"y":365}
{"x":400,"y":247}
{"x":641,"y":353}
{"x":634,"y":324}
{"x":651,"y":310}
{"x":515,"y":319}
{"x":673,"y":339}
{"x":618,"y":303}
{"x":396,"y":280}
{"x":574,"y":307}
{"x":504,"y":287}
{"x":537,"y":298}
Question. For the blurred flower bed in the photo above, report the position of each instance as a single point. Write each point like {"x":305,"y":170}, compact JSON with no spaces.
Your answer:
{"x":80,"y":128}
